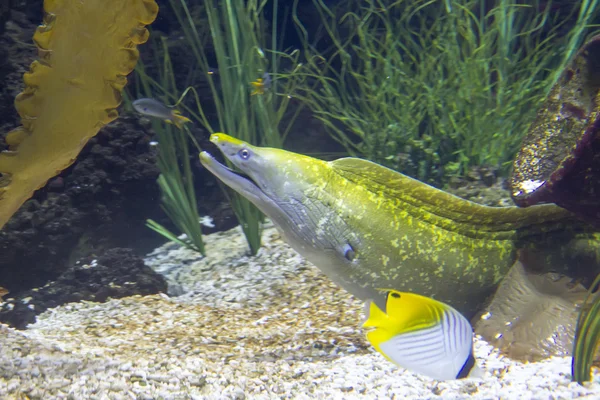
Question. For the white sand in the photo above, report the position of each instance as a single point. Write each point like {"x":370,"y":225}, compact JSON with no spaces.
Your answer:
{"x":265,"y":327}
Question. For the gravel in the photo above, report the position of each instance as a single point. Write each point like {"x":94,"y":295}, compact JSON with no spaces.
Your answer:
{"x":240,"y":327}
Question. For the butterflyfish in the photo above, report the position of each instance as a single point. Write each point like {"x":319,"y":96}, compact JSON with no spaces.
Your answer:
{"x":423,"y":335}
{"x":155,"y":108}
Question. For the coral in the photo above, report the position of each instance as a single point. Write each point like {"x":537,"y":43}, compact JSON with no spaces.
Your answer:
{"x":85,"y":51}
{"x":100,"y":202}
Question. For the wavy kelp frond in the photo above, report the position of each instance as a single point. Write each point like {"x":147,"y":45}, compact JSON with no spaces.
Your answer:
{"x":86,"y":49}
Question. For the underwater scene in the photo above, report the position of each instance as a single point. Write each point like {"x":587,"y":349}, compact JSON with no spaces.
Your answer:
{"x":299,"y":199}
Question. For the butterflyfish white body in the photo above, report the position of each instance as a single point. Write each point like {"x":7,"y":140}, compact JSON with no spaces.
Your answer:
{"x":423,"y":335}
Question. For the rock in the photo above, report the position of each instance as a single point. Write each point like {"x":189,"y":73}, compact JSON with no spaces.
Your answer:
{"x":100,"y":202}
{"x":117,"y":273}
{"x":560,"y":155}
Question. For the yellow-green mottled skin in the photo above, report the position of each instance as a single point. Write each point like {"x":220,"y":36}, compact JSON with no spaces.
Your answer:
{"x":402,"y":233}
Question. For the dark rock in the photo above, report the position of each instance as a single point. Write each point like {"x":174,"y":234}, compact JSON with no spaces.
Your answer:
{"x":100,"y":202}
{"x":117,"y":273}
{"x":16,"y":54}
{"x":487,"y":175}
{"x":481,"y":185}
{"x":28,"y":242}
{"x":559,"y":158}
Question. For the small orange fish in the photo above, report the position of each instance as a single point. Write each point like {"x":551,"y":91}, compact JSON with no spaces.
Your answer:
{"x":3,"y":292}
{"x":261,"y":85}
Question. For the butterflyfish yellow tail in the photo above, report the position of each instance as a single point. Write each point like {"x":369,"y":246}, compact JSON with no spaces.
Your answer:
{"x":375,"y":317}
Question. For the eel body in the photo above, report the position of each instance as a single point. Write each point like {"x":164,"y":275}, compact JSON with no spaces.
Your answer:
{"x":370,"y":228}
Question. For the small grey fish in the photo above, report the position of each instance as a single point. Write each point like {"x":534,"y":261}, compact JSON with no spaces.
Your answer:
{"x":155,"y":108}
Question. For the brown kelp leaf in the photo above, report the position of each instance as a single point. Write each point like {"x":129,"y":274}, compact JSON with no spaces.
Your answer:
{"x":559,"y":160}
{"x":86,"y":49}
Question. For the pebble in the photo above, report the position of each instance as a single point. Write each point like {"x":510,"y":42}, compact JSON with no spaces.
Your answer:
{"x":240,"y":327}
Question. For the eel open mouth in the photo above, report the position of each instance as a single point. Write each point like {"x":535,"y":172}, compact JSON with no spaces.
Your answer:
{"x":366,"y":312}
{"x":238,"y":181}
{"x":211,"y":164}
{"x":245,"y":186}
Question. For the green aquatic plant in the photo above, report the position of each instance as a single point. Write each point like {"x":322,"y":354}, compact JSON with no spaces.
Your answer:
{"x":588,"y":11}
{"x":587,"y":336}
{"x":225,"y":40}
{"x":177,"y":190}
{"x":178,"y":197}
{"x":424,"y":85}
{"x":237,"y":44}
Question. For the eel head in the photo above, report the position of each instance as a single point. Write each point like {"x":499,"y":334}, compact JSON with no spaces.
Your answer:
{"x":293,"y":191}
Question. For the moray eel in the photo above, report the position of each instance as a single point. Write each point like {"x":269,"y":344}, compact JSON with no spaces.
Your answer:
{"x":368,"y":227}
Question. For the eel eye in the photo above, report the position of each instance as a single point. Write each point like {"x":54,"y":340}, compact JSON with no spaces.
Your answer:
{"x":349,"y":252}
{"x":244,"y":154}
{"x":395,"y":295}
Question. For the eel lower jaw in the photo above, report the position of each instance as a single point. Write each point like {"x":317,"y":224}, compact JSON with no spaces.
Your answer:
{"x":366,"y":312}
{"x":239,"y":182}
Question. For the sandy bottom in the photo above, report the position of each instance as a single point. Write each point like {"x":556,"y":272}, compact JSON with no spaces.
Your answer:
{"x":264,"y":327}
